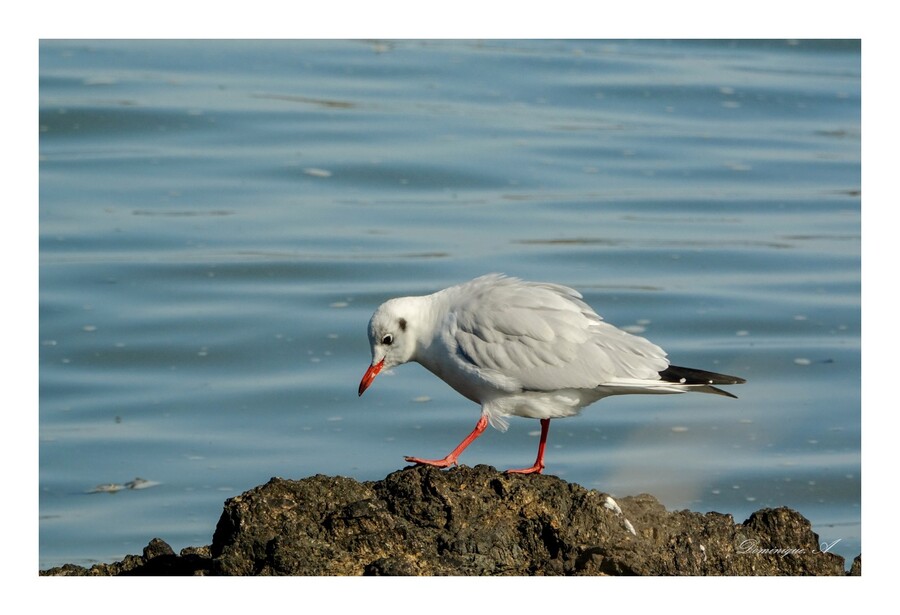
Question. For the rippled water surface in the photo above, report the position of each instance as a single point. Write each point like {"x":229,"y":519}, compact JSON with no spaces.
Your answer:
{"x":218,"y":220}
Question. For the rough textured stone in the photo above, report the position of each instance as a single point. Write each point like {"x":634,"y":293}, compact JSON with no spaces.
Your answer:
{"x":477,"y":521}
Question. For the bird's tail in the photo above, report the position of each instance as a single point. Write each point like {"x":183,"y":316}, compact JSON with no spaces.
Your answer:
{"x":702,"y":380}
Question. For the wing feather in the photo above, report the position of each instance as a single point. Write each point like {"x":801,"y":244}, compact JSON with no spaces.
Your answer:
{"x":543,"y":337}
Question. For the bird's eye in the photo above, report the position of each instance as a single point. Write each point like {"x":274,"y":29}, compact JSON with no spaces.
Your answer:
{"x":387,"y":340}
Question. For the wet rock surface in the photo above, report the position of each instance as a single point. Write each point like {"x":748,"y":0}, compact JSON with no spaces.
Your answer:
{"x":477,"y":521}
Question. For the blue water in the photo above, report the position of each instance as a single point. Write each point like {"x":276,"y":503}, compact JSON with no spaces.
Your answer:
{"x":218,"y":220}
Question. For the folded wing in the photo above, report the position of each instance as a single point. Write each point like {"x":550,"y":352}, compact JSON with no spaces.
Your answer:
{"x":543,"y":337}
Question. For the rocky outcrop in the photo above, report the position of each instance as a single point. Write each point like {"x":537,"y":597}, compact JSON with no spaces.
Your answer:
{"x":477,"y":521}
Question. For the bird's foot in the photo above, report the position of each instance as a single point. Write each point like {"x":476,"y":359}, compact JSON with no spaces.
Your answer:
{"x":446,"y":462}
{"x":535,"y":469}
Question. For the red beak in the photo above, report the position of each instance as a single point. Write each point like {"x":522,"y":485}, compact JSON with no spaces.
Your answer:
{"x":369,"y":376}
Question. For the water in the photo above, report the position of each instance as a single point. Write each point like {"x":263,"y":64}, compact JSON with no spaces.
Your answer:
{"x":218,"y":220}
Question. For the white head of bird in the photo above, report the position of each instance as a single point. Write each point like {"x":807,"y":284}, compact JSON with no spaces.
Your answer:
{"x":391,"y":337}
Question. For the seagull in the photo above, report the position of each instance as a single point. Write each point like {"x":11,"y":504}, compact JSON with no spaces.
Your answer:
{"x":518,"y":348}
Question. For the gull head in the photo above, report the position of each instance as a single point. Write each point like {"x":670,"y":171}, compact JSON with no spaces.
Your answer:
{"x":391,"y":338}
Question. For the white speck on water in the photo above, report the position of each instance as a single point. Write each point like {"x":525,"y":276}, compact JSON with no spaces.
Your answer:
{"x":679,"y":429}
{"x":333,"y":336}
{"x":421,"y":399}
{"x":742,"y":333}
{"x":141,"y":483}
{"x":716,"y":491}
{"x":100,"y":80}
{"x":48,"y":343}
{"x":799,"y":317}
{"x":89,"y":328}
{"x":314,"y":172}
{"x":339,"y":304}
{"x":335,"y":418}
{"x":750,"y":498}
{"x":802,"y":361}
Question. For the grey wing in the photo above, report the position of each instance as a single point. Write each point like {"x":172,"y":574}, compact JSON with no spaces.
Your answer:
{"x":543,"y":337}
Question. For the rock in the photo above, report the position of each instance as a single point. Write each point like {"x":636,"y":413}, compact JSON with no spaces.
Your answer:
{"x":477,"y":521}
{"x":158,"y":560}
{"x":157,"y":548}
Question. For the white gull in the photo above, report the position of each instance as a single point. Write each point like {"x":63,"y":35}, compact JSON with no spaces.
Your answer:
{"x":525,"y":349}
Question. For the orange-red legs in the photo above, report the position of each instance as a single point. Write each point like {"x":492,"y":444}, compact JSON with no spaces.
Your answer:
{"x":539,"y":462}
{"x":450,"y":460}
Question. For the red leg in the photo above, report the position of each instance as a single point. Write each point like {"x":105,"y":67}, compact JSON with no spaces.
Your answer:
{"x":539,"y":462}
{"x":450,"y":460}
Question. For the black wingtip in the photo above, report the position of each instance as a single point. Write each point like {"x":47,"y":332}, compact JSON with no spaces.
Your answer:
{"x":719,"y":391}
{"x":688,"y":375}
